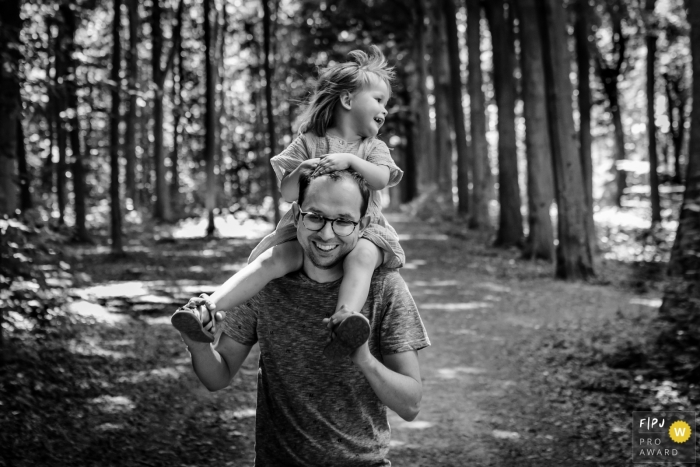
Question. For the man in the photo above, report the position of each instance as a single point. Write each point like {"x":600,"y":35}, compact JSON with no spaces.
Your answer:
{"x":312,"y":410}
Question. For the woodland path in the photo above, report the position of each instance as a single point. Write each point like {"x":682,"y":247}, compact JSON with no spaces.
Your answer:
{"x":499,"y":389}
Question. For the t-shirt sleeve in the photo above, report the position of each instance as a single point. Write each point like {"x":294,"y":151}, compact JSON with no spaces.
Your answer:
{"x":379,"y":155}
{"x":401,"y":327}
{"x":289,"y":159}
{"x":241,"y":323}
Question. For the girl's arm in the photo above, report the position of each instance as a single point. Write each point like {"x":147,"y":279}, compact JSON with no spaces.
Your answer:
{"x":377,"y":176}
{"x":289,"y":187}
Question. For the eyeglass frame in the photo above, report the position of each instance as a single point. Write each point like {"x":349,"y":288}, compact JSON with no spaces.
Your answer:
{"x":326,"y":220}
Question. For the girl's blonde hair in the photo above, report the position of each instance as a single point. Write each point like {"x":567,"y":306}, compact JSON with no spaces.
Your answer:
{"x":335,"y":80}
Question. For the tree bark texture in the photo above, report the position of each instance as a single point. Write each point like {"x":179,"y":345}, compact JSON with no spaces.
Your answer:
{"x":441,"y":83}
{"x":163,"y":208}
{"x":510,"y":225}
{"x":272,"y":138}
{"x":573,"y":254}
{"x":210,"y":119}
{"x":425,"y":134}
{"x":456,"y":107}
{"x":676,"y":98}
{"x":132,"y":73}
{"x":681,"y":303}
{"x":10,"y":105}
{"x":540,"y":181}
{"x":582,"y":31}
{"x":25,"y":190}
{"x":651,"y":124}
{"x":609,"y":75}
{"x":71,"y":95}
{"x":115,"y":203}
{"x":481,"y":168}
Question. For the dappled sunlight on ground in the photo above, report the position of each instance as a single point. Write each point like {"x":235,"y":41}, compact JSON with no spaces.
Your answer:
{"x":155,"y":375}
{"x":455,"y":372}
{"x":114,"y":404}
{"x":452,"y":307}
{"x":227,"y":226}
{"x":94,"y":311}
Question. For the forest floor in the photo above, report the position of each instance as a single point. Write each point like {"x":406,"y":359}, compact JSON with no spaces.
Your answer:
{"x":523,"y":369}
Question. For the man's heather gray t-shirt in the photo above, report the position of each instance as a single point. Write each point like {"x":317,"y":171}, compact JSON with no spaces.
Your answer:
{"x":313,"y":411}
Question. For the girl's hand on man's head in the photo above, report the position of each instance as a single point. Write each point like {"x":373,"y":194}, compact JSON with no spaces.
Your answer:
{"x":333,"y":162}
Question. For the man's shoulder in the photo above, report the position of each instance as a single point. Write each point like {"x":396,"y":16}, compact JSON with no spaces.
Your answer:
{"x":389,"y":279}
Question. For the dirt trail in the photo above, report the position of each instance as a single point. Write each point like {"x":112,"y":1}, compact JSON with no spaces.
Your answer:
{"x":491,"y":397}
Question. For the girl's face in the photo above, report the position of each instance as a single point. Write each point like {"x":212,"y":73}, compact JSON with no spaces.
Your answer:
{"x":368,"y":108}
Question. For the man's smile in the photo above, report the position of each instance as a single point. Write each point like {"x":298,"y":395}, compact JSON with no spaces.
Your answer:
{"x":325,"y":247}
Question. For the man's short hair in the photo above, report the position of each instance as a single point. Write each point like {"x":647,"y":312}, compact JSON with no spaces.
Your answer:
{"x":306,"y":176}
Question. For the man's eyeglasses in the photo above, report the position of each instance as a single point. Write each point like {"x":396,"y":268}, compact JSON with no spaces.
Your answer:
{"x":316,"y":222}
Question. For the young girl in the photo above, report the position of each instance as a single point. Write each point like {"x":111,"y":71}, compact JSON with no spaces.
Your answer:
{"x":338,"y":131}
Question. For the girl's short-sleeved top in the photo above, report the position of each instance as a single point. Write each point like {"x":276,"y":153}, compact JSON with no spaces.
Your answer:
{"x":309,"y":146}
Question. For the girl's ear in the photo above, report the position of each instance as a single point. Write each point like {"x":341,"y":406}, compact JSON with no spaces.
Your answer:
{"x":346,"y":100}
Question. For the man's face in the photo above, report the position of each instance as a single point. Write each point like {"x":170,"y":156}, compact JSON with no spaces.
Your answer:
{"x":339,"y":199}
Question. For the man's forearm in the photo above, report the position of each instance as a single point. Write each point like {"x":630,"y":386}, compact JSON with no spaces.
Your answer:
{"x":210,"y":367}
{"x":400,"y":393}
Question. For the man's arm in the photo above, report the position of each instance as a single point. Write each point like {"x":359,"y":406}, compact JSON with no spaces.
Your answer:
{"x":216,"y":365}
{"x":396,"y":382}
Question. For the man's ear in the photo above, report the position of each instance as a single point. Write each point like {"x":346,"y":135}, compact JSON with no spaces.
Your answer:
{"x":296,"y":211}
{"x":346,"y":100}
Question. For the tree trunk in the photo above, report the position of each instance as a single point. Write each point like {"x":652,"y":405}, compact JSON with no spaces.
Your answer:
{"x":582,"y":31}
{"x":71,"y":94}
{"x":609,"y":75}
{"x":162,"y":209}
{"x":457,"y":109}
{"x":574,"y":258}
{"x":61,"y":101}
{"x":681,"y":304}
{"x":25,"y":191}
{"x":425,"y":134}
{"x":481,"y":168}
{"x":651,"y":125}
{"x":177,"y":117}
{"x":10,"y":105}
{"x":115,"y":204}
{"x":441,"y":82}
{"x":510,"y":226}
{"x":409,"y":184}
{"x":540,"y":182}
{"x":209,"y":119}
{"x":272,"y":139}
{"x":132,"y":115}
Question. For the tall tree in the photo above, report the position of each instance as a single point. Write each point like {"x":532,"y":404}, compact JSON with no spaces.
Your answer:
{"x":456,"y":107}
{"x":163,"y":209}
{"x":178,"y":102}
{"x":676,"y":97}
{"x":272,"y":138}
{"x":510,"y":225}
{"x":132,"y":73}
{"x":651,"y":125}
{"x":10,"y":106}
{"x":582,"y":32}
{"x":481,"y":169}
{"x":610,"y":74}
{"x":25,"y":191}
{"x":441,"y":91}
{"x":681,"y":303}
{"x":114,"y":198}
{"x":573,"y":254}
{"x":421,"y":108}
{"x":70,"y":94}
{"x":210,"y":118}
{"x":540,"y":182}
